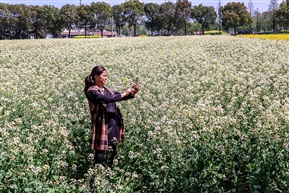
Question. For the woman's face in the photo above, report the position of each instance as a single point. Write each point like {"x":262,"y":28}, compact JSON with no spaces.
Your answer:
{"x":101,"y":79}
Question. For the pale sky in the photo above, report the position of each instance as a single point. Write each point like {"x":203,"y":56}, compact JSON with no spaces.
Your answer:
{"x":262,"y":5}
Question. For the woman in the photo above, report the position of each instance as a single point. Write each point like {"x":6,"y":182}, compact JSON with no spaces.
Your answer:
{"x":107,"y":122}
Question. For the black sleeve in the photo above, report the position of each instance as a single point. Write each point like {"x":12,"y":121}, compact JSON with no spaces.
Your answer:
{"x":97,"y":97}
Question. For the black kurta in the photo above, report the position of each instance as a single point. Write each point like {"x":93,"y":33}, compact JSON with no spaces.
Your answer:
{"x":103,"y":107}
{"x":113,"y":120}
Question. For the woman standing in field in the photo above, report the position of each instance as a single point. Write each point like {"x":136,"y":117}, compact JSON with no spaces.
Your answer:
{"x":107,"y":121}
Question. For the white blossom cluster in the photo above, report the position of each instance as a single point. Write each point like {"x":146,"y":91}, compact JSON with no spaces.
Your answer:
{"x":190,"y":86}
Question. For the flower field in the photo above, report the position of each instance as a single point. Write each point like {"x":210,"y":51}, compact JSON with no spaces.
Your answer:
{"x":267,"y":36}
{"x":212,"y":115}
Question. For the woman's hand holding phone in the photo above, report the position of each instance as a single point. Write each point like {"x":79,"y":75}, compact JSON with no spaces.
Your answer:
{"x":136,"y":87}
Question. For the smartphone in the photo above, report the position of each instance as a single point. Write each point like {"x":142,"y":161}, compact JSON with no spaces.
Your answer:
{"x":137,"y":80}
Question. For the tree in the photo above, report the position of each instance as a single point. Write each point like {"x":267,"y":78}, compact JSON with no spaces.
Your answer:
{"x":102,"y":15}
{"x":183,"y":13}
{"x":4,"y":20}
{"x":167,"y":11}
{"x":219,"y":15}
{"x":250,"y":8}
{"x":69,"y":17}
{"x":133,"y":12}
{"x":118,"y":18}
{"x":12,"y":21}
{"x":45,"y":19}
{"x":273,"y":6}
{"x":52,"y":20}
{"x":235,"y":14}
{"x":38,"y":21}
{"x":257,"y":13}
{"x":265,"y":22}
{"x":19,"y":21}
{"x":282,"y":15}
{"x":204,"y":15}
{"x":85,"y":16}
{"x":153,"y":18}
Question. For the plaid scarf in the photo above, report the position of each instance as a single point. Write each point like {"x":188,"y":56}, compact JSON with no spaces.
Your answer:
{"x":98,"y":119}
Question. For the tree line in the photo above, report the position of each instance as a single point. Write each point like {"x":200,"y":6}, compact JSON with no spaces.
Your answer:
{"x":19,"y":21}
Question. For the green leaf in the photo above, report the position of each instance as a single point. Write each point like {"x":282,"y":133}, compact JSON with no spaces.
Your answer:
{"x":9,"y":174}
{"x":55,"y":177}
{"x":28,"y":189}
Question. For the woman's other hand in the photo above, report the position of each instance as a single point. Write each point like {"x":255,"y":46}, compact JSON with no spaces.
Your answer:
{"x":127,"y":92}
{"x":136,"y":88}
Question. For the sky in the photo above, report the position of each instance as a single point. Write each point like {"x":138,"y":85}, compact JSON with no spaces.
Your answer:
{"x":261,"y":5}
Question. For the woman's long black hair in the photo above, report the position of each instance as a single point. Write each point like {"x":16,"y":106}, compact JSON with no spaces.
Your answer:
{"x":89,"y":80}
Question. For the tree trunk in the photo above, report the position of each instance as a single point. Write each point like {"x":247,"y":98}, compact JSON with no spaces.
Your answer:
{"x":203,"y":31}
{"x":185,"y":28}
{"x":117,"y":30}
{"x":101,"y":33}
{"x":168,"y":29}
{"x":134,"y":29}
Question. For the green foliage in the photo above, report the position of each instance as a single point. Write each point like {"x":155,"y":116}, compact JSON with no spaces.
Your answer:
{"x":69,"y":16}
{"x":85,"y":14}
{"x":154,"y":18}
{"x":284,"y":31}
{"x":182,"y":14}
{"x":282,"y":15}
{"x":204,"y":15}
{"x":133,"y":10}
{"x":167,"y":9}
{"x":118,"y":17}
{"x":102,"y":15}
{"x":235,"y":14}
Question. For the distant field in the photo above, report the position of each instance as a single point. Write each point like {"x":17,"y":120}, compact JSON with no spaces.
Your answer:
{"x":212,"y":115}
{"x":267,"y":36}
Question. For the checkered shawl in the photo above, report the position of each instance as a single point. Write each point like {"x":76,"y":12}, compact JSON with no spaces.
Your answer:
{"x":99,"y":128}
